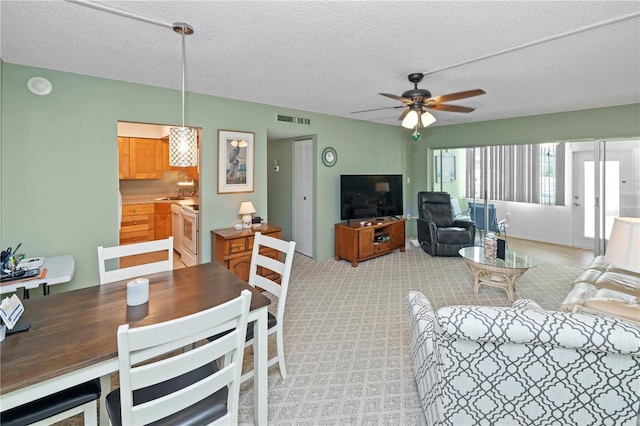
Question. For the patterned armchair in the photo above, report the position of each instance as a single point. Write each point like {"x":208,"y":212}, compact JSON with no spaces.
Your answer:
{"x":480,"y":365}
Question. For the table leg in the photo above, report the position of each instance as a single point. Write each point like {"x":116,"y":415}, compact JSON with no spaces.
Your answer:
{"x":260,"y":385}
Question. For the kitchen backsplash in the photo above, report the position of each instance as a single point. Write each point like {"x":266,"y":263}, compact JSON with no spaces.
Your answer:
{"x":167,"y":185}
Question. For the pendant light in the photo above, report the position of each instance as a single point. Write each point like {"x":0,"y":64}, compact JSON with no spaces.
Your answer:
{"x":183,"y":145}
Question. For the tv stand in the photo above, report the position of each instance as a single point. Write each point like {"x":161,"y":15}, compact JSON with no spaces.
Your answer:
{"x":356,"y":243}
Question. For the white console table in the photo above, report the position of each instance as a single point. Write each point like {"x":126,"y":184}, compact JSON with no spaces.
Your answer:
{"x":60,"y":270}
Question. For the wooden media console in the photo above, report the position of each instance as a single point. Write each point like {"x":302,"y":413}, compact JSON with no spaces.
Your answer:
{"x":355,"y":242}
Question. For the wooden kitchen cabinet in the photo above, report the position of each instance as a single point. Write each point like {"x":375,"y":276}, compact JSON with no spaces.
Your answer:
{"x":137,"y":223}
{"x":232,"y":248}
{"x":162,"y":221}
{"x":139,"y":158}
{"x":123,"y":158}
{"x":356,"y":243}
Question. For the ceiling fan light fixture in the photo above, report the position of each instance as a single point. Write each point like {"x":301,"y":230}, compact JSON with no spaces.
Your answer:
{"x":410,"y":121}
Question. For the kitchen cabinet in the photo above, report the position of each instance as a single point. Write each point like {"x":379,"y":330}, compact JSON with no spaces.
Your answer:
{"x":137,"y":223}
{"x":139,"y":158}
{"x":162,"y":227}
{"x":232,"y":248}
{"x":192,"y":172}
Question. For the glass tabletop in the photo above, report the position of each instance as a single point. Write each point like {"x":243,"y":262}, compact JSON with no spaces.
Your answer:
{"x":511,"y":258}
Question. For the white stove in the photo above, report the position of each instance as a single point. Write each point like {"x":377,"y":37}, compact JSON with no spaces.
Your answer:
{"x":189,"y":234}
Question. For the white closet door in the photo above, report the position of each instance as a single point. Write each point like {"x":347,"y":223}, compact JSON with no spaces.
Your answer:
{"x":303,"y":198}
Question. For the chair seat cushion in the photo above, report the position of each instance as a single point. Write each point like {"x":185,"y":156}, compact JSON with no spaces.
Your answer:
{"x":453,"y":235}
{"x":202,"y":412}
{"x":51,"y":405}
{"x":272,"y":321}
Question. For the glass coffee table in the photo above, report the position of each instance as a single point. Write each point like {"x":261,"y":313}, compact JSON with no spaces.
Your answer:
{"x":501,"y":273}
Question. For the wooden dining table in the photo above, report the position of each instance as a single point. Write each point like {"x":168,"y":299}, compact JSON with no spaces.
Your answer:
{"x":72,"y":337}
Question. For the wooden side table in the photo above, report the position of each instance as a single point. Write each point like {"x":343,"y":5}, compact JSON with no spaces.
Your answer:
{"x":232,"y":247}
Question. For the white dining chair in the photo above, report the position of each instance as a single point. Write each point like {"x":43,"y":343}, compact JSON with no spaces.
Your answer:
{"x":159,"y":382}
{"x":264,"y":247}
{"x":108,"y":254}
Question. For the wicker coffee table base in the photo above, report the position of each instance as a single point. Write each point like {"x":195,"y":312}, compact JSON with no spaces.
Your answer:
{"x":504,"y":278}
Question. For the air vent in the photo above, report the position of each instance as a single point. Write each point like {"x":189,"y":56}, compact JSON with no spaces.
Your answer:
{"x":293,"y":120}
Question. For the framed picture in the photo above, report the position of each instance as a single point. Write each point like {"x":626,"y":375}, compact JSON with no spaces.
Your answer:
{"x":235,"y":161}
{"x":446,"y":173}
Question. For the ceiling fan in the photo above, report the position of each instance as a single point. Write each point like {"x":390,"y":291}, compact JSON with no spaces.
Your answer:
{"x":418,"y":101}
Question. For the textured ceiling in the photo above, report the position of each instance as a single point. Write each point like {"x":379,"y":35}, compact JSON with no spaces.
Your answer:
{"x":335,"y":57}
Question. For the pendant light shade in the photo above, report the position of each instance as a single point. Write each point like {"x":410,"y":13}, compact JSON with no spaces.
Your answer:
{"x":183,"y":141}
{"x":183,"y":147}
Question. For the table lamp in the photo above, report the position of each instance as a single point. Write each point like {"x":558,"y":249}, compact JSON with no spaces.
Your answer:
{"x":246,"y":209}
{"x":623,"y":249}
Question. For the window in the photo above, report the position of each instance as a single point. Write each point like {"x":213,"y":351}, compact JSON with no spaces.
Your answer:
{"x":522,"y":173}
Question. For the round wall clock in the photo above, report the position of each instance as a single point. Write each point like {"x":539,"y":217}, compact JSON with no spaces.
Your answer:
{"x":329,"y":157}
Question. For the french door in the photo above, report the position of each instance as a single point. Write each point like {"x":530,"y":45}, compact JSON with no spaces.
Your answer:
{"x":602,"y":191}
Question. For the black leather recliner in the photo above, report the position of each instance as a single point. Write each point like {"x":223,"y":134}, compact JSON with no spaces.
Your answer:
{"x":439,"y":233}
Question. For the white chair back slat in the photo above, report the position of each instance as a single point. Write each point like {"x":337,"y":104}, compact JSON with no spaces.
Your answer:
{"x":106,"y":254}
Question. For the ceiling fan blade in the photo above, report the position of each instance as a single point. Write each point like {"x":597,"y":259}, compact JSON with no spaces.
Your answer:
{"x":378,"y":109}
{"x":398,"y":98}
{"x":455,"y":96}
{"x":404,"y":114}
{"x":450,"y":108}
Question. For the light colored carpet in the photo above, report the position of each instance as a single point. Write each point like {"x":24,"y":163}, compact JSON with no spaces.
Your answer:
{"x":347,"y":337}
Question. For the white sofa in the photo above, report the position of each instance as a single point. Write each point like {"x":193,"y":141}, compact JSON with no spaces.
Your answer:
{"x":480,"y":365}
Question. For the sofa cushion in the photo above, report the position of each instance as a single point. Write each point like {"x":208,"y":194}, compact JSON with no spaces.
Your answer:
{"x":578,"y":294}
{"x":618,"y":281}
{"x":600,"y":263}
{"x":453,"y":235}
{"x":525,"y":304}
{"x":615,"y":303}
{"x":589,"y":276}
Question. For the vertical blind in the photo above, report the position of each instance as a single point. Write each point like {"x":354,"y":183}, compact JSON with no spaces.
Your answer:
{"x":522,"y":173}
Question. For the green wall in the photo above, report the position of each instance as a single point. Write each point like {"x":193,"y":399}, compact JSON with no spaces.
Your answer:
{"x":612,"y":122}
{"x":59,"y":158}
{"x":59,"y":161}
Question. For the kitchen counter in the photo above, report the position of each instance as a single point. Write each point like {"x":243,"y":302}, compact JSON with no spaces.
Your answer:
{"x":152,"y":198}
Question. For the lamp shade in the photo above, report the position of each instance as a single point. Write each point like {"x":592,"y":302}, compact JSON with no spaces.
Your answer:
{"x":382,"y":186}
{"x":247,"y":208}
{"x":183,"y":147}
{"x":410,"y":120}
{"x":427,"y":119}
{"x":623,"y":249}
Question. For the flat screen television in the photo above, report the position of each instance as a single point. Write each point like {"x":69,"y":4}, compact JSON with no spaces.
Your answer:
{"x":370,"y":196}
